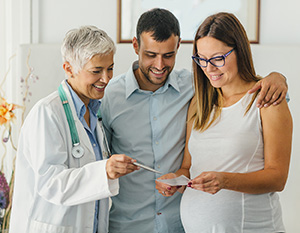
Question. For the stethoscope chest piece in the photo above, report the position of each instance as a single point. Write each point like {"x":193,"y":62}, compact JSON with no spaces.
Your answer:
{"x":77,"y":151}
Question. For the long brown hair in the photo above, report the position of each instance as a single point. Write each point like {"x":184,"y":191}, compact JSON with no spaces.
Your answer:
{"x":227,"y":28}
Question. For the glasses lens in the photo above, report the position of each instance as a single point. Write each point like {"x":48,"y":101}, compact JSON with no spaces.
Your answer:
{"x":196,"y":60}
{"x":218,"y":61}
{"x":200,"y":62}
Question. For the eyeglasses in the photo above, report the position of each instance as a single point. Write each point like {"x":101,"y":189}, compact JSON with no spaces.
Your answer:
{"x":217,"y":61}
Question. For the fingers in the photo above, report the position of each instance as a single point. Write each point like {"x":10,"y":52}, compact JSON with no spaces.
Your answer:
{"x":165,"y":189}
{"x":272,"y":96}
{"x":280,"y":98}
{"x":119,"y":165}
{"x":209,"y":187}
{"x":255,"y":88}
{"x":209,"y":182}
{"x":273,"y":90}
{"x":261,"y":98}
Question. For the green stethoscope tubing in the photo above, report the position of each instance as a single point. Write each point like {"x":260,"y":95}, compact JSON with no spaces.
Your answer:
{"x":77,"y":150}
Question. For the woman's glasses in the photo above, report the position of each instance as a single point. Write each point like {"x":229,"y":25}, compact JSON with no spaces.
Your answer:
{"x":217,"y":61}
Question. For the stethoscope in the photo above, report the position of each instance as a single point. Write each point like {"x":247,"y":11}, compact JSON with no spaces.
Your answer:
{"x":77,"y":149}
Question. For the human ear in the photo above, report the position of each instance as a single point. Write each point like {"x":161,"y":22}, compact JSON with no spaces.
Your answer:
{"x":179,"y":42}
{"x":135,"y":45}
{"x":68,"y":69}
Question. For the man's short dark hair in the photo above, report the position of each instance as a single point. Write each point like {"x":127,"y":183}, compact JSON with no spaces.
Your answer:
{"x":162,"y":23}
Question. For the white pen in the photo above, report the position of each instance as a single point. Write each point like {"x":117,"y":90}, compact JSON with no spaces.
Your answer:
{"x":146,"y":167}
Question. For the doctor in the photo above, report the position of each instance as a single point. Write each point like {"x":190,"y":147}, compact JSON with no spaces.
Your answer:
{"x":63,"y":177}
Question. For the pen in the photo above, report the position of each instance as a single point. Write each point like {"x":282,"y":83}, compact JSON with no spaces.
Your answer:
{"x":146,"y":167}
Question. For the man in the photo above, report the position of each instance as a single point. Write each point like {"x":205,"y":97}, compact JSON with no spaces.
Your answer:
{"x":144,"y":112}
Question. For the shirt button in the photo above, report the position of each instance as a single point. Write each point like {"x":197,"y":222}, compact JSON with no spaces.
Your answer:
{"x":94,"y":145}
{"x":156,"y":142}
{"x":158,"y":213}
{"x":158,"y":166}
{"x":154,"y":118}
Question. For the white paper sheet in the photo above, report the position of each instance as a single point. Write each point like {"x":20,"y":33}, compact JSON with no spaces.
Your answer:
{"x":180,"y":180}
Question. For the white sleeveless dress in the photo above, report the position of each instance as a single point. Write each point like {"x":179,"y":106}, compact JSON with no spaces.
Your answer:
{"x":233,"y":144}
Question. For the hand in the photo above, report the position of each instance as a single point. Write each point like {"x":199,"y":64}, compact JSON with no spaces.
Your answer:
{"x":273,"y":90}
{"x":119,"y":165}
{"x":164,"y":189}
{"x":210,"y":182}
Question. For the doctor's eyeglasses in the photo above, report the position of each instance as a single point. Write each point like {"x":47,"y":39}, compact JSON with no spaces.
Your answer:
{"x":217,"y":61}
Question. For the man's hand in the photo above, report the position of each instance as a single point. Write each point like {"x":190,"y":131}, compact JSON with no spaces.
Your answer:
{"x":273,"y":90}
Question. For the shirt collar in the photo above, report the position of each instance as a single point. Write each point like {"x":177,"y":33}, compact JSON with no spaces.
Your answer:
{"x":80,"y":108}
{"x":132,"y":84}
{"x":172,"y":81}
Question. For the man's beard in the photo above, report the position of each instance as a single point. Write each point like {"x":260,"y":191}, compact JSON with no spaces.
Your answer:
{"x":147,"y":76}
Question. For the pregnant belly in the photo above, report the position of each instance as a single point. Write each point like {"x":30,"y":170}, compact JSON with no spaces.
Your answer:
{"x":203,"y":212}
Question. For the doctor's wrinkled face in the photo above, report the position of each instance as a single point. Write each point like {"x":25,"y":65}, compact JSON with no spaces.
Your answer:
{"x":90,"y":82}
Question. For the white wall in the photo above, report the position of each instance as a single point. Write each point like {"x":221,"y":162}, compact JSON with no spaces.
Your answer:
{"x":278,"y":32}
{"x":278,"y":24}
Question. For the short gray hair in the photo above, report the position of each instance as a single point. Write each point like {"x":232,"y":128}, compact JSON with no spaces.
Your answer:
{"x":81,"y":44}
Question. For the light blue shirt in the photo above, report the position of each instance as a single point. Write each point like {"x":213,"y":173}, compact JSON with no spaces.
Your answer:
{"x":93,"y":106}
{"x":149,"y":127}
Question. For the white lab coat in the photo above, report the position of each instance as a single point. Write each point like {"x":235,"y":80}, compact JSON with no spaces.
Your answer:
{"x":55,"y":192}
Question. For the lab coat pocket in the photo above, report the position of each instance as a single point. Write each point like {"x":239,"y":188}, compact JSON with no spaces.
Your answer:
{"x":39,"y":227}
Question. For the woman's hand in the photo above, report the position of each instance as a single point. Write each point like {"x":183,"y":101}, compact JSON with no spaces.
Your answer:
{"x":165,"y":189}
{"x":210,"y":182}
{"x":119,"y":165}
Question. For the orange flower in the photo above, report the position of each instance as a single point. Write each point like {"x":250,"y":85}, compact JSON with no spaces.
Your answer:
{"x":6,"y":112}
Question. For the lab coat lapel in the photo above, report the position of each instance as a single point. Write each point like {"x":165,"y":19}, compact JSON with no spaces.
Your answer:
{"x":89,"y":155}
{"x":101,"y":140}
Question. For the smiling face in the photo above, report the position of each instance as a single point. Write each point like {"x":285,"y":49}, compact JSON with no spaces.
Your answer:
{"x":219,"y":77}
{"x":90,"y":82}
{"x":156,"y":60}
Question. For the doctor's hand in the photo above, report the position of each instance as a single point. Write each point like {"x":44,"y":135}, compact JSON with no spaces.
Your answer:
{"x":165,"y":189}
{"x":119,"y":165}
